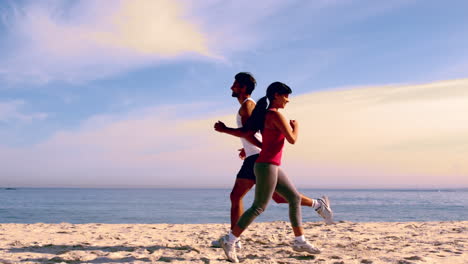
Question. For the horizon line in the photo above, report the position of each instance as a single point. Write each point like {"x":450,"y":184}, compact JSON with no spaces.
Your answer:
{"x":226,"y":188}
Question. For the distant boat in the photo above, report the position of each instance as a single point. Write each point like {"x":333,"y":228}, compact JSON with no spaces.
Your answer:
{"x":10,"y":189}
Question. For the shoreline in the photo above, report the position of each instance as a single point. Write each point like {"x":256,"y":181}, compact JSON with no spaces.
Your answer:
{"x":263,"y":242}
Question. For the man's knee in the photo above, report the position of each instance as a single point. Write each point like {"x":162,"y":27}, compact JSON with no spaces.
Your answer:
{"x":235,"y":197}
{"x":241,"y":188}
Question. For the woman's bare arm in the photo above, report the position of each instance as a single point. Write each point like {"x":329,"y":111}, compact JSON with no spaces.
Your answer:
{"x":289,"y":129}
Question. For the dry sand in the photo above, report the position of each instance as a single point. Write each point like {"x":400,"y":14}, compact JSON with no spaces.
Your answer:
{"x":344,"y":242}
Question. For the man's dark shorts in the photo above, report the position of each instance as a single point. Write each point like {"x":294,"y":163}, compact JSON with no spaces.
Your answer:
{"x":247,"y":169}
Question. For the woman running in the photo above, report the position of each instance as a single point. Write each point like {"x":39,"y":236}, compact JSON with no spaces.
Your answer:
{"x":274,"y":128}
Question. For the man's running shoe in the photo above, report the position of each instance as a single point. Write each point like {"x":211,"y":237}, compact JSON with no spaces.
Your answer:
{"x":229,"y":249}
{"x":216,"y":244}
{"x":325,"y":210}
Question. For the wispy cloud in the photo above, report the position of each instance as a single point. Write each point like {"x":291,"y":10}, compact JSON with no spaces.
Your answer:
{"x":396,"y":135}
{"x":56,"y":40}
{"x":11,"y":111}
{"x":401,"y":130}
{"x":86,"y":40}
{"x":152,"y":145}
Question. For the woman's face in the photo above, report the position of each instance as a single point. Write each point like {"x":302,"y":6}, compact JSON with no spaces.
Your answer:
{"x":281,"y":100}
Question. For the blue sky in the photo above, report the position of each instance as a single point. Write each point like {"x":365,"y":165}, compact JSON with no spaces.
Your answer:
{"x":71,"y":69}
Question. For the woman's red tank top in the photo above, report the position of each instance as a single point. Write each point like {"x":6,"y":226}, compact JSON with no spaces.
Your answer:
{"x":272,"y":146}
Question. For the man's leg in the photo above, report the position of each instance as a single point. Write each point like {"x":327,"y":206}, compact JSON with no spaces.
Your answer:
{"x":240,"y":189}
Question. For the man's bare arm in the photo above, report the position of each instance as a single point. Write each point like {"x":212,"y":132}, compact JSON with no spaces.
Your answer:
{"x":254,"y":140}
{"x":237,"y":132}
{"x":246,"y":111}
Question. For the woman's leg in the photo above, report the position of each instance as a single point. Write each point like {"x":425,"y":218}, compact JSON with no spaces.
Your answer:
{"x":286,"y":189}
{"x":305,"y":201}
{"x":266,"y":182}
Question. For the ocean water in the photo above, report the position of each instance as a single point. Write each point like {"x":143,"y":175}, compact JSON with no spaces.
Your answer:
{"x":184,"y":206}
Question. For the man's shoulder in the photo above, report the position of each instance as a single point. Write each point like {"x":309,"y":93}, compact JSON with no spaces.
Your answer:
{"x":247,"y":107}
{"x":248,"y":103}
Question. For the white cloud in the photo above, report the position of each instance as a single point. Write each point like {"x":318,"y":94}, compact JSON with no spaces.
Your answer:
{"x":416,"y":133}
{"x":401,"y":135}
{"x":235,"y":25}
{"x":89,"y":39}
{"x":149,"y":147}
{"x":85,"y":40}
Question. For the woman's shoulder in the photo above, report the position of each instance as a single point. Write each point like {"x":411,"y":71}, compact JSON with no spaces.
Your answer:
{"x":273,"y":114}
{"x":273,"y":117}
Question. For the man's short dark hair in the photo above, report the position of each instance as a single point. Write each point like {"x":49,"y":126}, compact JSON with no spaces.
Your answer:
{"x":246,"y":78}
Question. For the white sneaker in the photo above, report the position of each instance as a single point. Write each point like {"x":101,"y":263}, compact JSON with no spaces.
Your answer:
{"x":325,"y":210}
{"x":305,"y":247}
{"x":229,"y":249}
{"x":238,"y":244}
{"x":216,"y":244}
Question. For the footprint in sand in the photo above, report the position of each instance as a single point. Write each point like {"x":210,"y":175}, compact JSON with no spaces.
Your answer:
{"x":404,"y":262}
{"x":414,"y":258}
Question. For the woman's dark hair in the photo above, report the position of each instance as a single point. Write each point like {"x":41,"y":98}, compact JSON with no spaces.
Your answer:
{"x":257,"y":119}
{"x":246,"y":78}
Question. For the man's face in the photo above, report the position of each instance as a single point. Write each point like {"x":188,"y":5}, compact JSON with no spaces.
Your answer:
{"x":236,"y":89}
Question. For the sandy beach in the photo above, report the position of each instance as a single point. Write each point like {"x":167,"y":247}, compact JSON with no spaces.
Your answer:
{"x":344,"y":242}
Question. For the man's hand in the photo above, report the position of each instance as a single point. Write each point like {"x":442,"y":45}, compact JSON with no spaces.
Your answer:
{"x":220,"y":126}
{"x":242,"y":153}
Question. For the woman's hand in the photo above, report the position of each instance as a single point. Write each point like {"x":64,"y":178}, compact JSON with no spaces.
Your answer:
{"x":294,"y":124}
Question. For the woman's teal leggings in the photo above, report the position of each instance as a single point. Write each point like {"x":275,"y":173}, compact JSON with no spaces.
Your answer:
{"x":270,"y":178}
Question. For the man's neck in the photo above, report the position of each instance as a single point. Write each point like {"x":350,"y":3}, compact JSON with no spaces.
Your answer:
{"x":242,"y":98}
